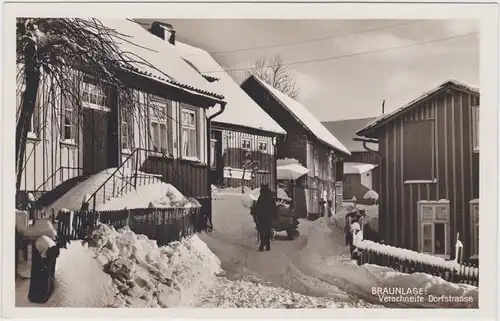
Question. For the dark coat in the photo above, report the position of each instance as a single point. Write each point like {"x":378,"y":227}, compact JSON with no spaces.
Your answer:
{"x":265,"y":208}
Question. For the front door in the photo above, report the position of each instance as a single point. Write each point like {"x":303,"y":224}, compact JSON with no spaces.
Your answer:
{"x":95,"y":140}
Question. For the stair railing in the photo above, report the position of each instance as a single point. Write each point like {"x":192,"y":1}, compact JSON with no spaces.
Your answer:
{"x":93,"y":197}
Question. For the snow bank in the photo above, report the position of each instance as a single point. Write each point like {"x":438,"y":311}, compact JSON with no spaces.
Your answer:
{"x":411,"y":255}
{"x":248,"y":294}
{"x":150,"y":276}
{"x":371,"y":194}
{"x":234,"y":190}
{"x":431,"y":285}
{"x":72,"y":200}
{"x":79,"y":282}
{"x":159,"y":194}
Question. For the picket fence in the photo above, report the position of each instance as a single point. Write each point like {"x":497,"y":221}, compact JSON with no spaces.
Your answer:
{"x":466,"y":273}
{"x":164,"y":225}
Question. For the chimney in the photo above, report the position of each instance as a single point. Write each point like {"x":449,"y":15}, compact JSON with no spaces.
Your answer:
{"x":164,"y":31}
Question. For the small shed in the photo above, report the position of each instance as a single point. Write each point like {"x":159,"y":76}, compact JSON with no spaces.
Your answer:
{"x":358,"y":179}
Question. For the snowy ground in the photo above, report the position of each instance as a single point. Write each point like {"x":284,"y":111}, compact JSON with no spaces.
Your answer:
{"x":316,"y":264}
{"x":224,"y":269}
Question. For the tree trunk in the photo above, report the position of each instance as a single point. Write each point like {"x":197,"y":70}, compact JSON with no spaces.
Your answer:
{"x":32,"y":73}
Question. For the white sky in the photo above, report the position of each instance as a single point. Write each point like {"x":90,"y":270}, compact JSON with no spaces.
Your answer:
{"x":349,"y":87}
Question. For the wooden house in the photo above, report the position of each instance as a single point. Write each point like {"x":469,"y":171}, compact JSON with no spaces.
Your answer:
{"x":361,"y":168}
{"x":161,"y":129}
{"x":307,"y":141}
{"x":430,"y":171}
{"x":243,"y":137}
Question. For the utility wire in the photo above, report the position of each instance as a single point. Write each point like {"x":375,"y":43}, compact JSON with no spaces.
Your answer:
{"x":316,"y":39}
{"x":353,"y":54}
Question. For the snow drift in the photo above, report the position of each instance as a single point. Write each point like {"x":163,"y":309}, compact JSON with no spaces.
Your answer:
{"x":432,"y":285}
{"x":161,"y":194}
{"x":79,"y":282}
{"x":123,"y":269}
{"x":150,"y":276}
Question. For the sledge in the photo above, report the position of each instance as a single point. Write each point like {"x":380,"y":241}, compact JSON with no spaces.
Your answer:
{"x":285,"y":219}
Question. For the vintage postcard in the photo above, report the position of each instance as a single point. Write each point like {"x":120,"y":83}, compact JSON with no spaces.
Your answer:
{"x":329,"y":160}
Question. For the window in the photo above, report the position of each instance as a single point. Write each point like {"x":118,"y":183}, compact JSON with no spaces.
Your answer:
{"x":329,"y":167}
{"x":434,"y":225}
{"x":418,"y":151}
{"x":246,"y":144}
{"x":160,"y":138}
{"x":316,"y":164}
{"x":127,"y":127}
{"x":94,"y":96}
{"x":475,"y":128}
{"x":263,"y":147}
{"x":189,"y":133}
{"x":68,"y":122}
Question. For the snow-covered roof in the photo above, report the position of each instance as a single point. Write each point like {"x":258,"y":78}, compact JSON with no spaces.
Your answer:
{"x":357,"y":168}
{"x":345,"y":130}
{"x":152,"y":58}
{"x":305,"y":117}
{"x":240,"y":109}
{"x":386,"y":117}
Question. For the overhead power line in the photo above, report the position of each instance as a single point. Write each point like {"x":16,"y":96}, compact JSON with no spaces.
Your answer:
{"x":355,"y":54}
{"x":316,"y":39}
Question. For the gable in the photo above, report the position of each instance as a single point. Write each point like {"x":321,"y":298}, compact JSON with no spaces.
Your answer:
{"x":301,"y":115}
{"x":371,"y":129}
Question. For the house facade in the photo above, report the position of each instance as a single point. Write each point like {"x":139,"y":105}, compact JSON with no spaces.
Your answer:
{"x":243,"y":137}
{"x":358,"y":175}
{"x":153,"y":125}
{"x":430,"y":171}
{"x":307,"y":141}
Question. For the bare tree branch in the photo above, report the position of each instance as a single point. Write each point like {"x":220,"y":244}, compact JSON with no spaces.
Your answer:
{"x":275,"y":73}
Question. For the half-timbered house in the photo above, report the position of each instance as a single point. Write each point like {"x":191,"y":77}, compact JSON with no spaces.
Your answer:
{"x":243,"y":137}
{"x":160,"y":128}
{"x":430,"y":171}
{"x":307,"y":141}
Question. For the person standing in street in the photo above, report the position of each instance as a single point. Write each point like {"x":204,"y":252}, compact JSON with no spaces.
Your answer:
{"x":265,"y":211}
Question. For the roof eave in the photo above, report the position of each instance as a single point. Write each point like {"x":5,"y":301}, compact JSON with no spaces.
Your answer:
{"x":258,"y":81}
{"x":216,"y":98}
{"x":369,"y":131}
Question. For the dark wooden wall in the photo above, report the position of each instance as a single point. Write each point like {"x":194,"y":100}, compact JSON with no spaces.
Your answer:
{"x":189,"y":178}
{"x":363,"y":157}
{"x":230,"y":154}
{"x":454,"y":167}
{"x":352,"y":187}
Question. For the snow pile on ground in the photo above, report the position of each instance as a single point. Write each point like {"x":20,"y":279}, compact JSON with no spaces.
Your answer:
{"x":408,"y":254}
{"x":72,"y":200}
{"x":161,"y":195}
{"x":79,"y":282}
{"x":431,"y":285}
{"x":371,"y":194}
{"x":150,"y":276}
{"x":253,"y":294}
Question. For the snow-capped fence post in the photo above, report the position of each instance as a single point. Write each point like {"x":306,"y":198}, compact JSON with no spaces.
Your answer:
{"x":459,"y":247}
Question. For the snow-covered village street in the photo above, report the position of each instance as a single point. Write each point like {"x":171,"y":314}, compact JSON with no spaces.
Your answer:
{"x":153,"y":171}
{"x":224,"y":269}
